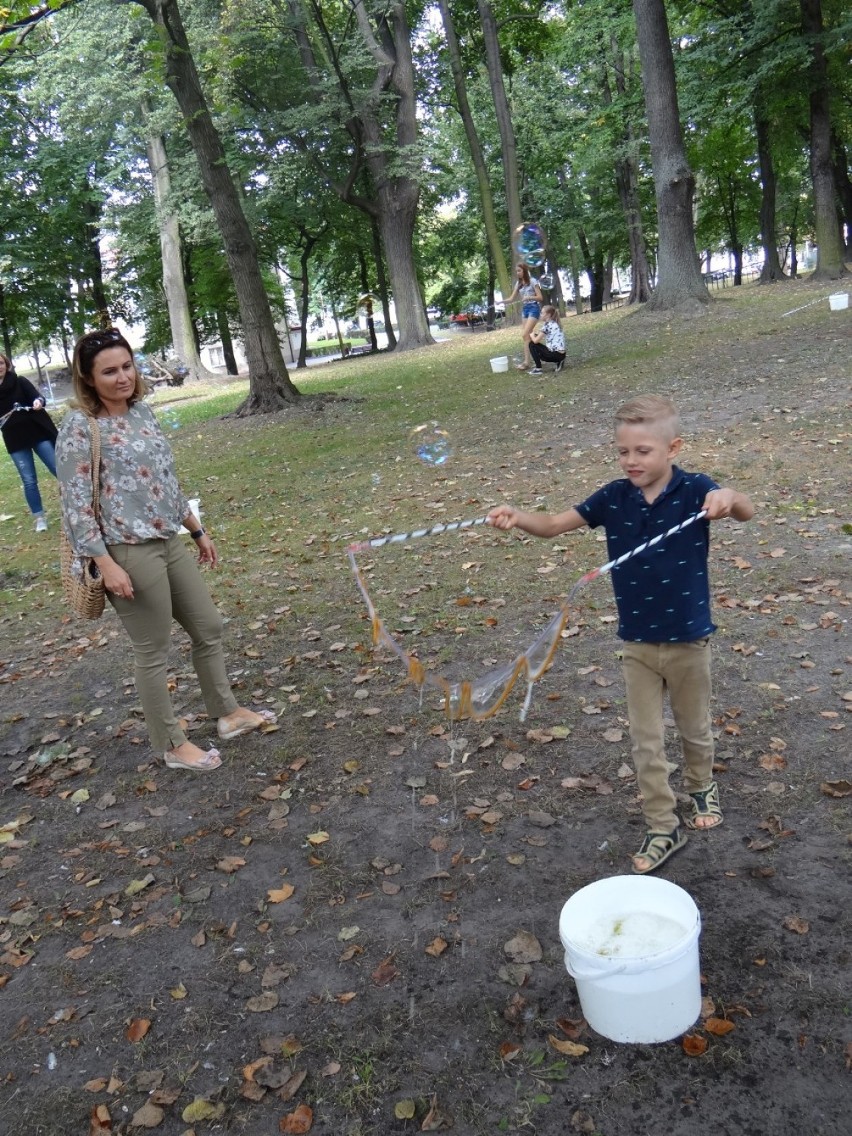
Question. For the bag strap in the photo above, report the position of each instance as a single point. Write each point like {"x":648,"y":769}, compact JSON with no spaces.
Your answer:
{"x":95,"y":437}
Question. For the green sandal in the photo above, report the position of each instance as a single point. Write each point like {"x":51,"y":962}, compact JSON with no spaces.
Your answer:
{"x":704,"y":804}
{"x":657,"y":847}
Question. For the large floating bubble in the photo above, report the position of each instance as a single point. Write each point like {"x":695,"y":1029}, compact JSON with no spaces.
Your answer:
{"x":431,"y":443}
{"x":529,"y":243}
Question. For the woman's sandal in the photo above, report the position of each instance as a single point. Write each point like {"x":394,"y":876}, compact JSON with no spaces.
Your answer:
{"x":205,"y":764}
{"x":705,"y":804}
{"x":656,"y":848}
{"x":266,"y":719}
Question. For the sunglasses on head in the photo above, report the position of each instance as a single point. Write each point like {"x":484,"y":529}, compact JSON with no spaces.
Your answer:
{"x":96,"y":341}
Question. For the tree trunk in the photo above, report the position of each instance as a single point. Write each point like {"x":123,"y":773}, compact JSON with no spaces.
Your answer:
{"x":180,"y":321}
{"x":227,"y":342}
{"x":92,"y":242}
{"x":627,"y":184}
{"x":509,"y":151}
{"x":771,"y":270}
{"x":480,"y":167}
{"x":368,"y":302}
{"x":4,"y":325}
{"x":270,"y":388}
{"x":397,"y":195}
{"x":844,"y":189}
{"x":679,"y":278}
{"x":382,"y":282}
{"x":829,"y":245}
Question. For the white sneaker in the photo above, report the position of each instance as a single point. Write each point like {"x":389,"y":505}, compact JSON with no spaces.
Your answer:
{"x":41,"y":523}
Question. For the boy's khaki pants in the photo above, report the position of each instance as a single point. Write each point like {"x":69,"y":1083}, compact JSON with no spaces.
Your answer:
{"x":684,"y":670}
{"x":167,"y":585}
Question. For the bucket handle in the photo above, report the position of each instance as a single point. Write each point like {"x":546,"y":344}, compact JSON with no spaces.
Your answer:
{"x":593,"y":975}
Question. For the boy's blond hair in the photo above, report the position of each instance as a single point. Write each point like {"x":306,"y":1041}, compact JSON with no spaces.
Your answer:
{"x":650,"y":410}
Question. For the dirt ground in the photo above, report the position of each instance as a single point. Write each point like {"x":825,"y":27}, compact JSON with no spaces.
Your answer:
{"x":352,"y":928}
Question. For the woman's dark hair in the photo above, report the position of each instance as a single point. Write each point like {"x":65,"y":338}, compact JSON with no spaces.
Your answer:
{"x":85,"y":351}
{"x":525,"y":272}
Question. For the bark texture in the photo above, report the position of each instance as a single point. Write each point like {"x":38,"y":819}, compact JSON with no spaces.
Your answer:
{"x":678,"y":275}
{"x":830,"y":249}
{"x":270,"y":388}
{"x":171,"y":253}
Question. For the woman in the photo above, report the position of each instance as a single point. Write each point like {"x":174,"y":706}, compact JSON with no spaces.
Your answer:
{"x":547,"y":345}
{"x":27,"y":430}
{"x":529,"y":293}
{"x":148,"y":573}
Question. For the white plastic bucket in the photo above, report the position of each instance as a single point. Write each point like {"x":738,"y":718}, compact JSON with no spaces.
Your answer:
{"x":631,"y":945}
{"x":501,"y":363}
{"x":838,"y":301}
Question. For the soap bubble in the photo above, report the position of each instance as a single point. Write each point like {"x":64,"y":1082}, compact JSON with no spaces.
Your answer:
{"x":545,"y":281}
{"x":431,"y":443}
{"x":170,"y":418}
{"x":529,"y":243}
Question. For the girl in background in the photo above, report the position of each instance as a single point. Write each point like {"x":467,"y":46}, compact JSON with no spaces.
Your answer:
{"x":528,"y":292}
{"x":28,"y":430}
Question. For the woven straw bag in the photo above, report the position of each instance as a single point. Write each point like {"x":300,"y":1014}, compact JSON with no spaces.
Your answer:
{"x":82,"y":583}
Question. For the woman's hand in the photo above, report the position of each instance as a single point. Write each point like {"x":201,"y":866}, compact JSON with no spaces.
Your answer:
{"x":116,"y":580}
{"x":207,"y":553}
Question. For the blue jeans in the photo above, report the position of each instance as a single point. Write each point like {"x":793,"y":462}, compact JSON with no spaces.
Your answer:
{"x":23,"y":459}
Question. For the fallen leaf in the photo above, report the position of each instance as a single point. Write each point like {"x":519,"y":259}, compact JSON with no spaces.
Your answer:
{"x":693,"y":1045}
{"x":509,"y":1050}
{"x":230,"y":864}
{"x":202,"y":1109}
{"x":262,"y":1003}
{"x":718,"y":1026}
{"x":299,"y":1121}
{"x":795,"y":924}
{"x":100,"y":1120}
{"x":436,"y":1119}
{"x":137,"y":1029}
{"x":96,"y":1085}
{"x":437,"y":947}
{"x":316,"y":838}
{"x":836,"y":788}
{"x":135,"y":886}
{"x":524,"y":947}
{"x":385,"y":972}
{"x":148,"y":1116}
{"x":404,"y":1110}
{"x":567,"y":1048}
{"x":278,"y":895}
{"x":178,"y":992}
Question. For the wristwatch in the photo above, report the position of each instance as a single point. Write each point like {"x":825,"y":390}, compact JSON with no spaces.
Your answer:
{"x":198,"y":534}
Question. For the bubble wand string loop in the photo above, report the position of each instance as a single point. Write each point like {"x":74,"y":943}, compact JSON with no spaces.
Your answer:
{"x":483,"y":697}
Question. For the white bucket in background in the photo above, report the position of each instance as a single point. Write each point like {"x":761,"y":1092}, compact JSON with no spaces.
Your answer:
{"x":631,"y":945}
{"x":838,"y":301}
{"x":501,"y":363}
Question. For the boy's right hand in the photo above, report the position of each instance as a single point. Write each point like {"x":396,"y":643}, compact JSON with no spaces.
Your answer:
{"x":503,"y":517}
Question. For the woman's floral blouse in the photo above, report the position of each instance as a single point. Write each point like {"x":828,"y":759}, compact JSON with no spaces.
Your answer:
{"x":140,"y":498}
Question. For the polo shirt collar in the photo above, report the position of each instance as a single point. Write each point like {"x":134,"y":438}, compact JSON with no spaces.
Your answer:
{"x":673,"y":484}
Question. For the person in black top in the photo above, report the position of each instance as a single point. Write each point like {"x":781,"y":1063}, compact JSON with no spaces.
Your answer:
{"x":27,"y":429}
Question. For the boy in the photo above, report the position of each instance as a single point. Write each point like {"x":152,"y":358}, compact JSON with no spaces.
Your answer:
{"x":663,"y":600}
{"x":547,"y":343}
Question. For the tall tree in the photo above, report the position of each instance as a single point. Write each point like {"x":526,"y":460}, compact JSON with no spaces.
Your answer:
{"x":678,"y":276}
{"x":830,"y":248}
{"x":171,"y":250}
{"x":476,"y":152}
{"x":270,"y":387}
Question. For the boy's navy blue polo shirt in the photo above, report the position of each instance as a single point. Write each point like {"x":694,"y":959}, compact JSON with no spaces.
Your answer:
{"x":663,"y":594}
